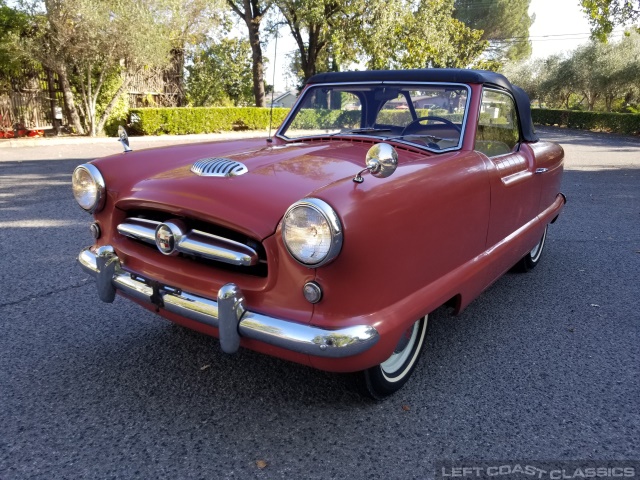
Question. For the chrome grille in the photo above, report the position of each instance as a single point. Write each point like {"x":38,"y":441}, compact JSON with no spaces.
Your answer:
{"x":218,"y":167}
{"x":200,"y":241}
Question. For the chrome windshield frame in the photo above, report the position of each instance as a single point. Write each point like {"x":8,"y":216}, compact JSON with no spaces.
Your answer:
{"x":296,"y":107}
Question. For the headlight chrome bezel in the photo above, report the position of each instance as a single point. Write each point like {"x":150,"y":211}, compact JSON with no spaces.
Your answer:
{"x":96,"y":177}
{"x":335,"y":228}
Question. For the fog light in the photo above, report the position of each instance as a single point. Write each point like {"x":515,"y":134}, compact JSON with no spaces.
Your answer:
{"x":312,"y":292}
{"x":95,"y":230}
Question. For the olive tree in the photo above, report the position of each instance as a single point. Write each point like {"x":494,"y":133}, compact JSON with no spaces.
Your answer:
{"x":605,"y":15}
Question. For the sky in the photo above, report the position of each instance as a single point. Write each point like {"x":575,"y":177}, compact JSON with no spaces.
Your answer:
{"x":559,"y":26}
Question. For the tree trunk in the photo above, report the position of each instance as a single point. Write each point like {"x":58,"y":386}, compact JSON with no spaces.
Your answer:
{"x":114,"y":100}
{"x":55,"y":122}
{"x":258,"y":62}
{"x":174,"y":76}
{"x":74,"y":118}
{"x":310,"y":66}
{"x":608,"y":100}
{"x":252,"y":16}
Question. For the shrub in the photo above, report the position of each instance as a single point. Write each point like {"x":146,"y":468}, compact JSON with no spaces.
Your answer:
{"x":186,"y":120}
{"x":625,"y":123}
{"x":310,"y":119}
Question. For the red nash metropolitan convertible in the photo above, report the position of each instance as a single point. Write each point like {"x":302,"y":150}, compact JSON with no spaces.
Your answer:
{"x":383,"y":196}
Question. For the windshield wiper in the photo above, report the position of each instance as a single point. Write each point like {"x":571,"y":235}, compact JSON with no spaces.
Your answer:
{"x":433,"y":138}
{"x":361,"y":130}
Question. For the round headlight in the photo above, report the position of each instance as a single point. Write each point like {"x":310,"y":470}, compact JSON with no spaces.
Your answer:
{"x":88,"y":187}
{"x":312,"y":232}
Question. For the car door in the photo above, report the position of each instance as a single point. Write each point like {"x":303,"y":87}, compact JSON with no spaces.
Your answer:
{"x":514,"y":193}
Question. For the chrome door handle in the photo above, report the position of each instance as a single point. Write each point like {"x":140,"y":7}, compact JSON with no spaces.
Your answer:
{"x":541,"y":170}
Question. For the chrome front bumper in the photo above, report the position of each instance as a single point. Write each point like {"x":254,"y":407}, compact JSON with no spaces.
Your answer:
{"x":228,"y":313}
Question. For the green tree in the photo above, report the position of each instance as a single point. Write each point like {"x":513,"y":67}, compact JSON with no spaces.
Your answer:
{"x":382,"y":34}
{"x":14,"y":25}
{"x":417,"y":34}
{"x":252,"y":13}
{"x":605,"y":15}
{"x":598,"y":75}
{"x":528,"y":75}
{"x":505,"y":25}
{"x":221,"y":74}
{"x":323,"y":31}
{"x":89,"y":42}
{"x":188,"y":23}
{"x":560,"y":80}
{"x":551,"y":80}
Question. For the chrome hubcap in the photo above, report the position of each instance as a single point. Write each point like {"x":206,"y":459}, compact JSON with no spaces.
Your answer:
{"x":537,"y":250}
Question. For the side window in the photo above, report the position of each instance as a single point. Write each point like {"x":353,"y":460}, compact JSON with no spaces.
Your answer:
{"x":497,"y":132}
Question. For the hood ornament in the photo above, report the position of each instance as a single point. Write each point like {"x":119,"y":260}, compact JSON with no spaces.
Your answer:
{"x":219,"y":167}
{"x":124,"y":139}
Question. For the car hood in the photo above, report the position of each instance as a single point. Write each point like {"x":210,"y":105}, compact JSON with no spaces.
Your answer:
{"x":254,"y":203}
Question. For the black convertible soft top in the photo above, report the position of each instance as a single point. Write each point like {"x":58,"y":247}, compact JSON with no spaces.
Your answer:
{"x":449,"y":75}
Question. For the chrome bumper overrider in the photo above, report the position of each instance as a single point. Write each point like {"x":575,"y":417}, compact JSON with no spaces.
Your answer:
{"x":228,"y":313}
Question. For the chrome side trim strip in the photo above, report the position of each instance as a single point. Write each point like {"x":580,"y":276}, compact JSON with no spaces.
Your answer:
{"x":196,"y":242}
{"x":516,"y":177}
{"x":230,"y":313}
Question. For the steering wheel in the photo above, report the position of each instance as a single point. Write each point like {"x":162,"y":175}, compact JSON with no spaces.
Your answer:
{"x":413,"y":125}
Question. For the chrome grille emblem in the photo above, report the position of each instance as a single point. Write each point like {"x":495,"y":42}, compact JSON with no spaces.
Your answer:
{"x":168,"y":236}
{"x":219,"y":167}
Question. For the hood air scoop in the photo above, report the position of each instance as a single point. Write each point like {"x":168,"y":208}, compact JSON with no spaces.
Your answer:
{"x":218,"y":167}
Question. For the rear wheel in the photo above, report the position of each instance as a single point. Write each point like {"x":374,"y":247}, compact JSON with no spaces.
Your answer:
{"x":532,"y":258}
{"x":393,"y":373}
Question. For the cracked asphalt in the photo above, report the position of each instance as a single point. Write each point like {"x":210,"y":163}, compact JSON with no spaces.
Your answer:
{"x":543,"y":366}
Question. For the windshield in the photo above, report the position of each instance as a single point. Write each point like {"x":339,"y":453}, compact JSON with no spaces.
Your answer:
{"x":428,"y":115}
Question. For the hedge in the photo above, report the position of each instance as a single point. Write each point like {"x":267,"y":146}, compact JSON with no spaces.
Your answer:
{"x":324,"y":118}
{"x":186,"y":120}
{"x":308,"y":118}
{"x":625,"y":123}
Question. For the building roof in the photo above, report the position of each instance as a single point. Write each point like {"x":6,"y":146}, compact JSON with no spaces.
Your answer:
{"x":280,"y":96}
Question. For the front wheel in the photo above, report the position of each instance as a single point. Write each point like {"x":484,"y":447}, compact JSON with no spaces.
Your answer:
{"x":393,"y":373}
{"x":532,"y":258}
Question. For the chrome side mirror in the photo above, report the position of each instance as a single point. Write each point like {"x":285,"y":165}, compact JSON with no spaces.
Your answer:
{"x":381,"y":161}
{"x":124,"y":138}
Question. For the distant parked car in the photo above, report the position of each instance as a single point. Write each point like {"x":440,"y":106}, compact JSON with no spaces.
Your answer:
{"x":331,"y":243}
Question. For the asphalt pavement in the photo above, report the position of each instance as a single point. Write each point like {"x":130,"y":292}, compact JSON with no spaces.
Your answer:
{"x":544,"y":366}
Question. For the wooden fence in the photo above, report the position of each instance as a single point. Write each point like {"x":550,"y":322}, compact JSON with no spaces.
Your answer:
{"x":25,"y":110}
{"x":28,"y":101}
{"x":27,"y":105}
